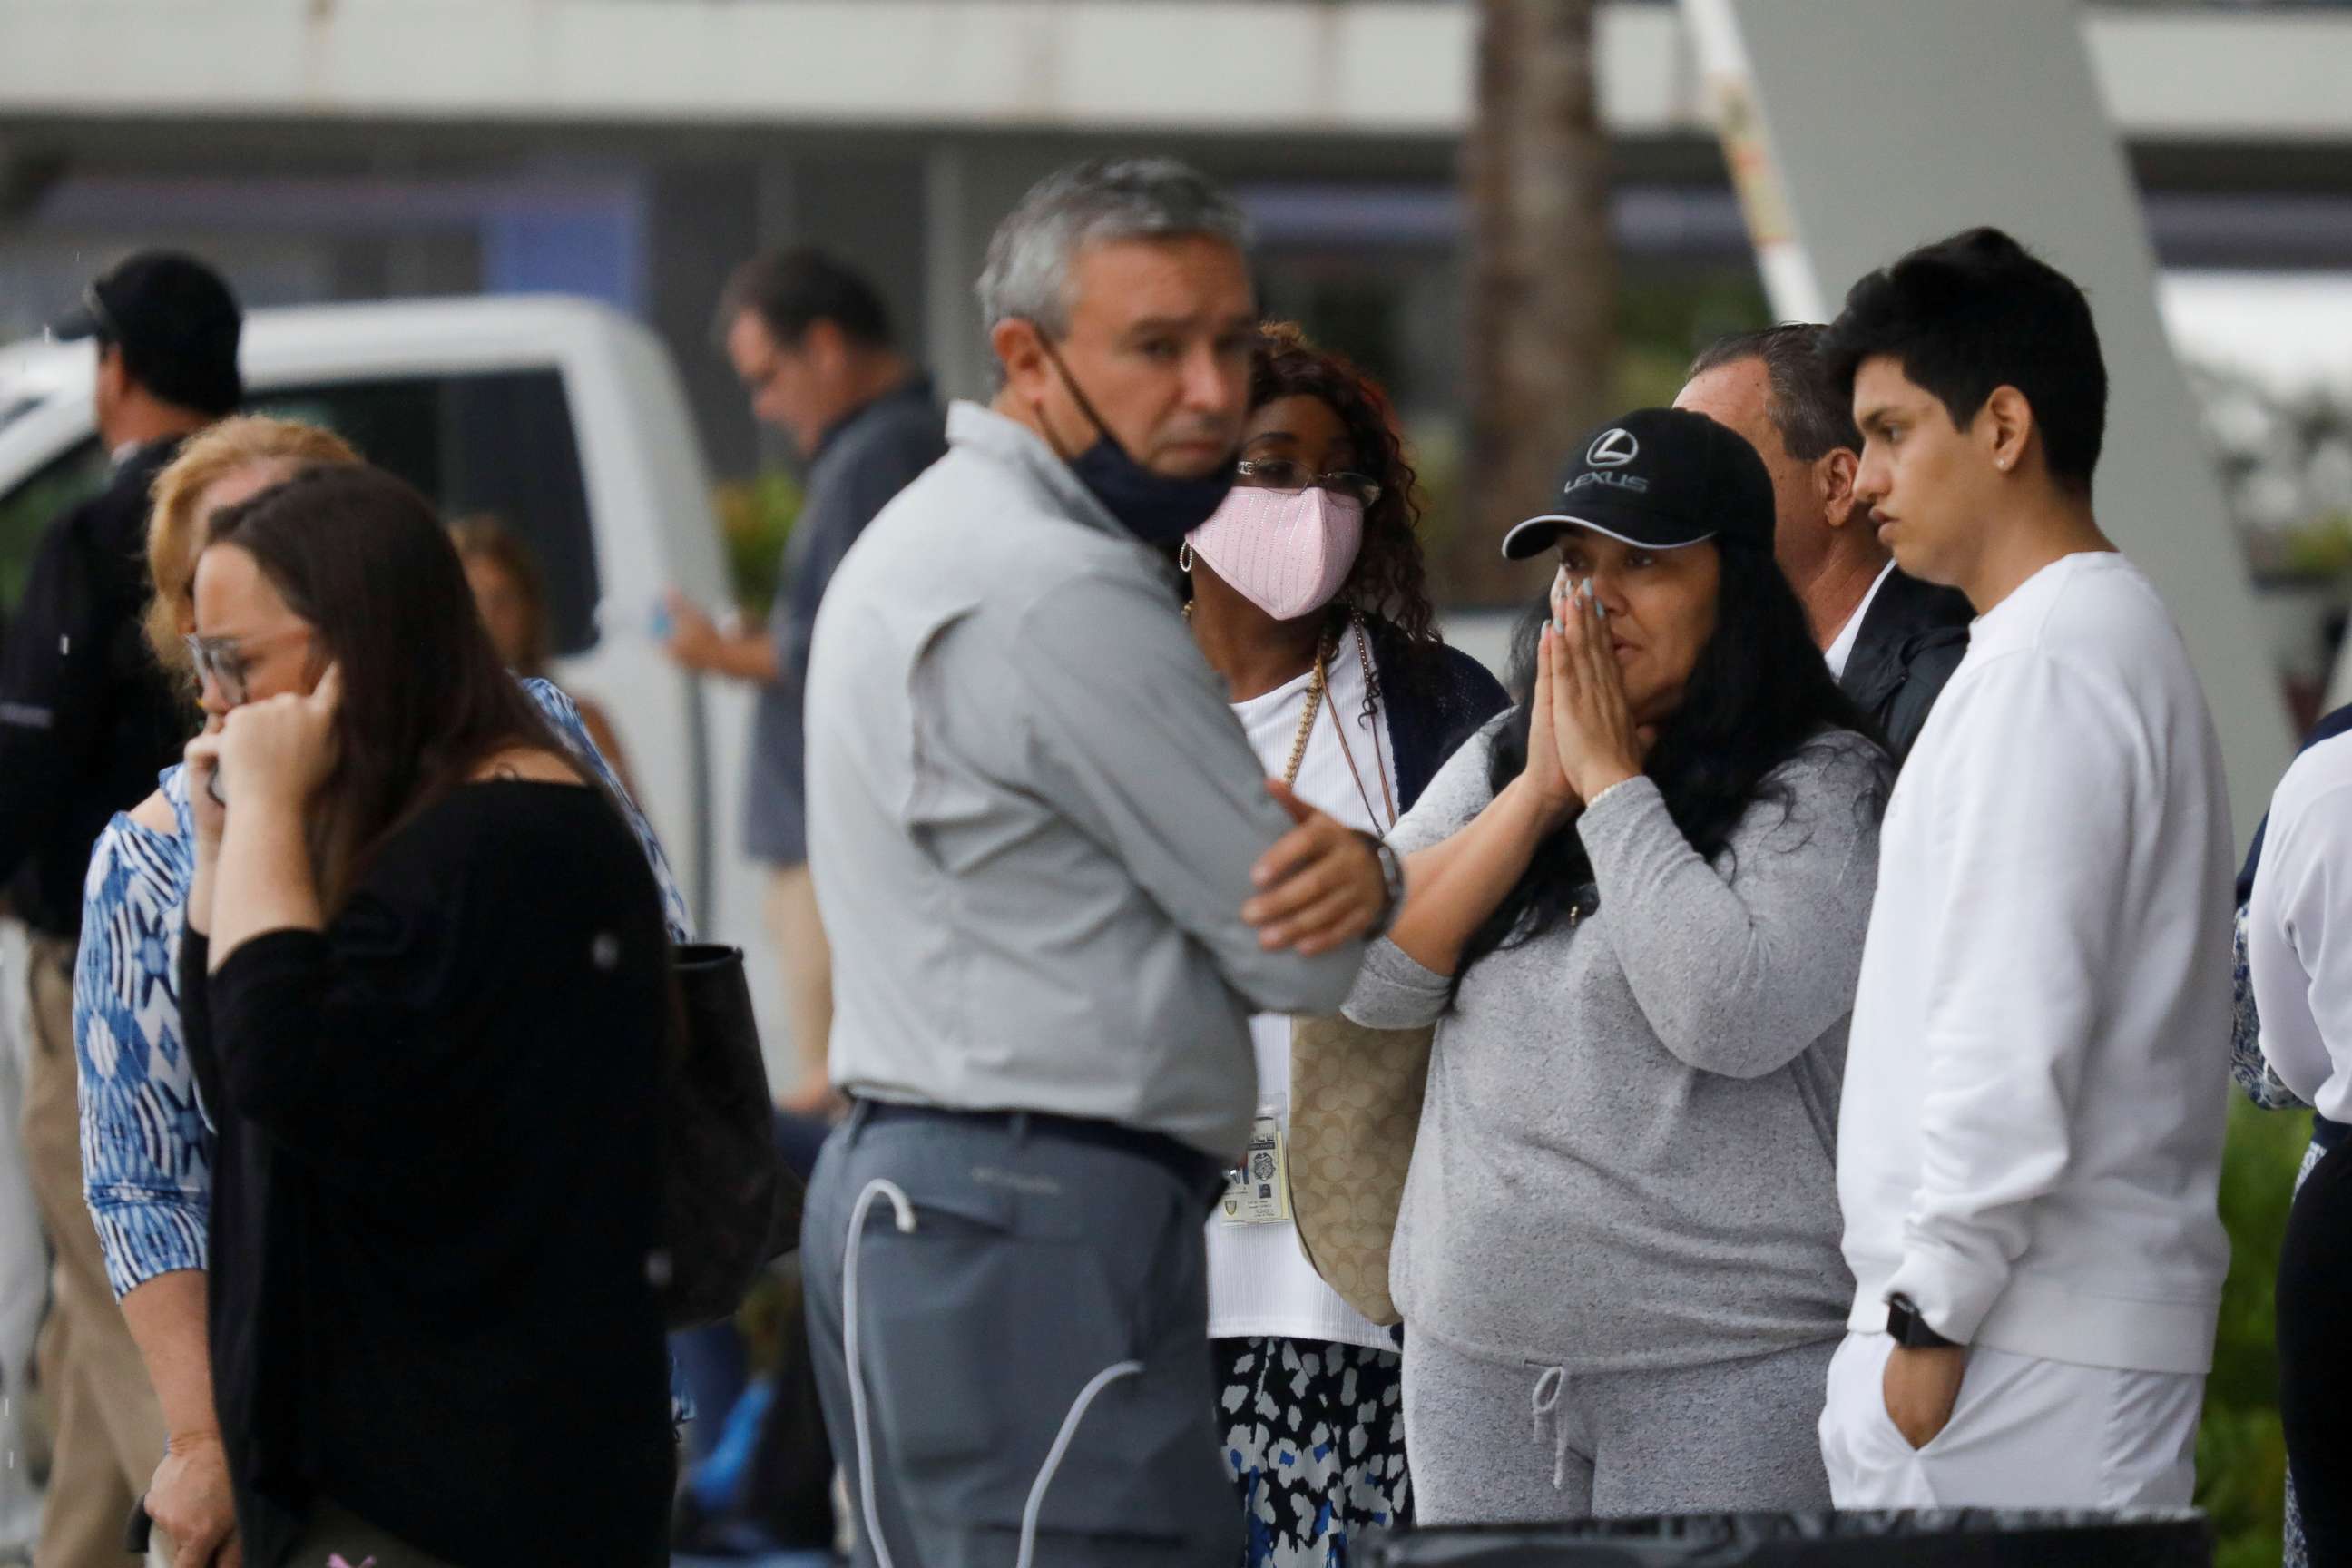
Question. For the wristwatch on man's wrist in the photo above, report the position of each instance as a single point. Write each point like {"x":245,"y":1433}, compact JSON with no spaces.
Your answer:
{"x":1391,"y":882}
{"x":1910,"y":1330}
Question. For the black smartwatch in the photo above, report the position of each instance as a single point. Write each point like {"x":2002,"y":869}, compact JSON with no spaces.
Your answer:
{"x":1910,"y":1330}
{"x":1391,"y":882}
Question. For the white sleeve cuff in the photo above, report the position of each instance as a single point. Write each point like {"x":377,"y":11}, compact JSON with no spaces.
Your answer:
{"x":1953,"y":1295}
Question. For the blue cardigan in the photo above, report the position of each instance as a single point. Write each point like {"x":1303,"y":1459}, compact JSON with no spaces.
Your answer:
{"x":1449,"y":697}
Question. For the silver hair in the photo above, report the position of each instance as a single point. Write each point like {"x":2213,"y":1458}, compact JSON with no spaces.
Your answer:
{"x":1102,"y":200}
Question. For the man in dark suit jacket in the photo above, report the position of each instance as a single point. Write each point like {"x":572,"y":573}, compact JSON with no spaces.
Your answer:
{"x":1891,"y":640}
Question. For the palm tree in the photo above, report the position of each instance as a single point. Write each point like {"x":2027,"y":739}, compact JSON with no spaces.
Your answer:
{"x":1542,"y":277}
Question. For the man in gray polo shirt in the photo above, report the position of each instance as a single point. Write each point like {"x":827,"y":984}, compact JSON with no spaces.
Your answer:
{"x":1059,"y":885}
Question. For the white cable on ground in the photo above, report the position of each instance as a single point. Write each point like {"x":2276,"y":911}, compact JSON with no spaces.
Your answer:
{"x":1102,"y":1380}
{"x":880,"y":1187}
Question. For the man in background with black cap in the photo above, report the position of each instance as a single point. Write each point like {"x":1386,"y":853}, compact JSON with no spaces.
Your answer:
{"x":87,"y":721}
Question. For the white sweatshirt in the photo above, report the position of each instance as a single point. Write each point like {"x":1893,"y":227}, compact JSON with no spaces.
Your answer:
{"x":2299,"y":930}
{"x":2031,"y":1136}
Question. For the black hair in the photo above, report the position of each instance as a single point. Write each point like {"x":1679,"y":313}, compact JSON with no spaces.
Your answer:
{"x":1976,"y":312}
{"x":1757,"y":693}
{"x":791,"y":290}
{"x":212,"y":388}
{"x":1812,"y":412}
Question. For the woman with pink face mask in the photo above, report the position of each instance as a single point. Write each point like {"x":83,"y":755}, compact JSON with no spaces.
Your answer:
{"x":1308,"y":595}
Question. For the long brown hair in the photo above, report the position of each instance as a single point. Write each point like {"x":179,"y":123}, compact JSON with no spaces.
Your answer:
{"x":362,"y":559}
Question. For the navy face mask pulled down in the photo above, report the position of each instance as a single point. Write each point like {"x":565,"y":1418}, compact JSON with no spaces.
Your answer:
{"x":1154,"y":508}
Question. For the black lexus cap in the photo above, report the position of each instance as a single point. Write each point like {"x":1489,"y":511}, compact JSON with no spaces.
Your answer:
{"x":1660,"y":477}
{"x":175,"y":322}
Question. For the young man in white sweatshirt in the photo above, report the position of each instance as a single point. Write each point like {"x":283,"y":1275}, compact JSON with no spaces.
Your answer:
{"x":2032,"y":1129}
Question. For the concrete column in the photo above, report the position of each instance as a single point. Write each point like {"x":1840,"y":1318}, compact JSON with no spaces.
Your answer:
{"x":967,"y":190}
{"x":951,"y":265}
{"x":869,"y":212}
{"x":704,"y":219}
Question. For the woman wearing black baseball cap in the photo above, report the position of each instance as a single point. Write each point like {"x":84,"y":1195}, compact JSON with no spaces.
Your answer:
{"x":1636,"y":911}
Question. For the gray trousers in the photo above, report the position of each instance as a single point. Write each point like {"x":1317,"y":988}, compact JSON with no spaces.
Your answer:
{"x":1035,"y":1350}
{"x":1495,"y":1443}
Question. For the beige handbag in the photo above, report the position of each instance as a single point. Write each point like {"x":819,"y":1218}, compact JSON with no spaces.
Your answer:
{"x":1355,"y":1111}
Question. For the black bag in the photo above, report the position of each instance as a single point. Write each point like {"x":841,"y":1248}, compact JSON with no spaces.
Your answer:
{"x":728,"y":1207}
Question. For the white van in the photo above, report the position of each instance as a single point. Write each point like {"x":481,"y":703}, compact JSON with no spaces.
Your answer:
{"x":562,"y":418}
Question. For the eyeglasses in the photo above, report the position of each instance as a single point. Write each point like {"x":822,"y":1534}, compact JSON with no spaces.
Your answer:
{"x":1282,"y":474}
{"x":225,"y":663}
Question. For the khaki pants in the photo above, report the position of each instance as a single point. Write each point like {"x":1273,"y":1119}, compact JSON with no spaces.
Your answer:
{"x":806,"y":958}
{"x":110,"y":1428}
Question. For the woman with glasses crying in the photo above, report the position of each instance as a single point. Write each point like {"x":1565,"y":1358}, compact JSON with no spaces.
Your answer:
{"x":146,"y":1130}
{"x":425,"y":984}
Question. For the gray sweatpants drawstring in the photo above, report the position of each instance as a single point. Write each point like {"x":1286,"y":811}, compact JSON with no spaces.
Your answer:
{"x":1549,"y":1390}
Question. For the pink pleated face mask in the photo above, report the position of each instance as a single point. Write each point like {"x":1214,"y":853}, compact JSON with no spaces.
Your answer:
{"x":1287,"y":551}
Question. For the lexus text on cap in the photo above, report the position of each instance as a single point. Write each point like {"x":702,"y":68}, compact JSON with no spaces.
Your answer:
{"x":1658,"y":478}
{"x":176,"y":323}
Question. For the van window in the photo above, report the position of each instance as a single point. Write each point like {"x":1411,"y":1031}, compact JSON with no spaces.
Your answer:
{"x":497,"y":442}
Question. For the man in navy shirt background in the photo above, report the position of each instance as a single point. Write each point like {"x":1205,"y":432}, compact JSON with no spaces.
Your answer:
{"x":812,"y":344}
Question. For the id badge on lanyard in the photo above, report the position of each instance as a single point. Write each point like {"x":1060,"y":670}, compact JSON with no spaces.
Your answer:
{"x":1257,"y":1191}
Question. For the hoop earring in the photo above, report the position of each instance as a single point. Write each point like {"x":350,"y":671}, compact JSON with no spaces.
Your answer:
{"x":1184,"y":556}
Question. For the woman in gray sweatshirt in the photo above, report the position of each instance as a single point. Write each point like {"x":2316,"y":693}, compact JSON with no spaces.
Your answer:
{"x":1636,"y":914}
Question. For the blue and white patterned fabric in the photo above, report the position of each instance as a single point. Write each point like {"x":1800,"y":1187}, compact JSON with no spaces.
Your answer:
{"x":2248,"y":1065}
{"x":146,"y":1149}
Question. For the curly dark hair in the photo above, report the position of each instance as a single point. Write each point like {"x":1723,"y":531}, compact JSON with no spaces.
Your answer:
{"x":1389,"y":581}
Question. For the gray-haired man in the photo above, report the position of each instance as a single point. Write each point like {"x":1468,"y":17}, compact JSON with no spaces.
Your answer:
{"x":1058,"y":886}
{"x":1891,"y":641}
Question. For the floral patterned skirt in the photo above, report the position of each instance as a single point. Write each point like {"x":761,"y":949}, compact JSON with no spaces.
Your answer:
{"x":1314,"y":1435}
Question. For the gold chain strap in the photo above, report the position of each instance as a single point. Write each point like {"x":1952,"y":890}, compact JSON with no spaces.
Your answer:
{"x":1306,"y":720}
